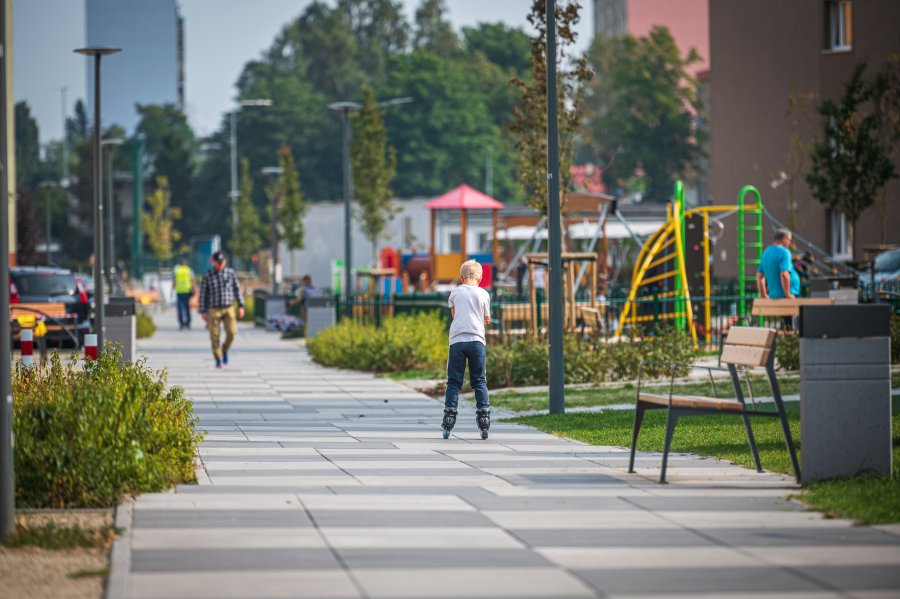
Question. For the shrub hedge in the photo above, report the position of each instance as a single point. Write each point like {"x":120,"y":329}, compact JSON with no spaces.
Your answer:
{"x":144,"y":325}
{"x":400,"y":344}
{"x":87,"y":436}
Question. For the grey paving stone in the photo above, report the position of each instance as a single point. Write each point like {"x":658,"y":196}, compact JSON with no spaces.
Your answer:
{"x":697,"y":580}
{"x":799,"y":537}
{"x":206,"y":518}
{"x":616,"y":537}
{"x":206,"y":560}
{"x":714,"y":504}
{"x":393,"y":519}
{"x":857,"y":576}
{"x":435,"y":558}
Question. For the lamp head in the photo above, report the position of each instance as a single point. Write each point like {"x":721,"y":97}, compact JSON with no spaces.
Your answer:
{"x":97,"y":50}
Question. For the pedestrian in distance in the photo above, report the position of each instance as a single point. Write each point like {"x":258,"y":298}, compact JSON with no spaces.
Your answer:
{"x":470,"y":306}
{"x":219,"y":291}
{"x":776,"y":277}
{"x":185,"y":286}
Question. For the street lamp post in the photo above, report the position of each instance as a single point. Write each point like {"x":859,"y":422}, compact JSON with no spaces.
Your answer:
{"x":345,"y":108}
{"x":111,"y":212}
{"x":7,"y":481}
{"x":98,"y":52}
{"x":46,"y":186}
{"x":274,"y":171}
{"x":557,"y":383}
{"x":234,"y":193}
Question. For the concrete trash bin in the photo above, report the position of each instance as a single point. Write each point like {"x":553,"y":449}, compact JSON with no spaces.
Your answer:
{"x":845,"y":391}
{"x":320,"y":314}
{"x":121,"y":325}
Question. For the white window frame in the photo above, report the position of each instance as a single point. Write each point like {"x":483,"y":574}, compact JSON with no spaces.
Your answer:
{"x":838,"y":235}
{"x":840,"y":33}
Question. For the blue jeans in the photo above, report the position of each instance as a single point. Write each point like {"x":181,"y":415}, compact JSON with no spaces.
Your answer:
{"x":474,"y":353}
{"x":184,"y":309}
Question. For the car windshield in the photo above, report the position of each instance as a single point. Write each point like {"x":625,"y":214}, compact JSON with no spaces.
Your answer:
{"x":45,"y":284}
{"x":888,"y":261}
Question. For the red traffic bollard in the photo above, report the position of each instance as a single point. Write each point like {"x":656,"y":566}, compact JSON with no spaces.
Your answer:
{"x":26,"y":345}
{"x":90,"y":346}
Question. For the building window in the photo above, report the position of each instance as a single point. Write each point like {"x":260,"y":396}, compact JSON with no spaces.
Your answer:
{"x":838,"y":25}
{"x":837,"y":234}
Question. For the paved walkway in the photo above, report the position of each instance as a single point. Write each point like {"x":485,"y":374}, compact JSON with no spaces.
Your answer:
{"x":324,"y":483}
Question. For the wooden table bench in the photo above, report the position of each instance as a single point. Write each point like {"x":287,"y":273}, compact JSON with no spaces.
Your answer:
{"x":745,"y":347}
{"x":786,"y":307}
{"x":56,"y":316}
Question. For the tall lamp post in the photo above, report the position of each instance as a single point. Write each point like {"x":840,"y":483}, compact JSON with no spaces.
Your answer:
{"x":46,"y":186}
{"x":98,"y":52}
{"x":345,"y":108}
{"x":557,"y":364}
{"x":274,"y":171}
{"x":234,"y":194}
{"x":110,"y":240}
{"x":7,"y":481}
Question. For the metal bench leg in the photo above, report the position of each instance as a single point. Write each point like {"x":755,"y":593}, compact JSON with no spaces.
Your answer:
{"x":752,"y":442}
{"x":789,"y":441}
{"x":638,"y":418}
{"x":671,"y":421}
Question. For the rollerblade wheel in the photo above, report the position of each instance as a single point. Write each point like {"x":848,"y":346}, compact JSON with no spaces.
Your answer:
{"x":484,"y":433}
{"x":446,"y":434}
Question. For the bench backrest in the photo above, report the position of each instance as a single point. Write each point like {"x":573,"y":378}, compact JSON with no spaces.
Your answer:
{"x":748,"y":346}
{"x":786,"y":307}
{"x":51,"y":309}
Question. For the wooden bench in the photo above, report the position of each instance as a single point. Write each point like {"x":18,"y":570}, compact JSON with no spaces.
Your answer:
{"x":786,"y":307}
{"x":55,"y":315}
{"x":592,"y":320}
{"x":745,"y":347}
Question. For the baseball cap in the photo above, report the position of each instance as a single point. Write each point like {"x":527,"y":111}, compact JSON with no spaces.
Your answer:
{"x":218,"y":256}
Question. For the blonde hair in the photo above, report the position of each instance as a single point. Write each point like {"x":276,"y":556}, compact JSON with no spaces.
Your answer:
{"x":470,"y":270}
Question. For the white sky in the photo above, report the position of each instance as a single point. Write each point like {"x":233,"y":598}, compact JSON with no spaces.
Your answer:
{"x":220,"y":36}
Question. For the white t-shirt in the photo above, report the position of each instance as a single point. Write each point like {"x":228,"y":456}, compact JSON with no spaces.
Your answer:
{"x":471,"y":305}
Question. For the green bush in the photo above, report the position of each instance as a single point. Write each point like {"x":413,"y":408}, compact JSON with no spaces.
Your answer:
{"x":87,"y":436}
{"x":787,"y":352}
{"x":895,"y":339}
{"x":144,"y":325}
{"x":400,"y":344}
{"x":249,"y":307}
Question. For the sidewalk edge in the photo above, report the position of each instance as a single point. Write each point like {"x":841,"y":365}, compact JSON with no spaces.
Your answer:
{"x":120,"y":556}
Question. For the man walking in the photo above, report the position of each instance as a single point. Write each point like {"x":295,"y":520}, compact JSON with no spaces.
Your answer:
{"x":185,"y":284}
{"x":218,"y":293}
{"x":776,"y":277}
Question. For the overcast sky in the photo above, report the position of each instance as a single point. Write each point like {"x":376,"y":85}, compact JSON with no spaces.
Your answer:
{"x":220,"y":36}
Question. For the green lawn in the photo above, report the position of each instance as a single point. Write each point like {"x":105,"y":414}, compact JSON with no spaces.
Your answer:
{"x":868,"y":500}
{"x":413,"y":374}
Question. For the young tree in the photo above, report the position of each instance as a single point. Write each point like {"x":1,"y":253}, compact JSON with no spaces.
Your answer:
{"x":887,"y":110}
{"x":374,"y":166}
{"x":249,"y":229}
{"x":292,"y":207}
{"x":529,"y":124}
{"x":851,"y":164}
{"x":159,"y":221}
{"x":641,"y":110}
{"x":433,"y":31}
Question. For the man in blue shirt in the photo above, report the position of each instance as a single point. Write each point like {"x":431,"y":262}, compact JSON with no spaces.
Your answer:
{"x":776,"y":277}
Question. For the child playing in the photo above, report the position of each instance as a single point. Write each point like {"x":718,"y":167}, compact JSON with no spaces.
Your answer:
{"x":470,"y":306}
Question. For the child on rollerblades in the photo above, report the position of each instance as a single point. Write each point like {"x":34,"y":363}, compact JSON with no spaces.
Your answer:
{"x":470,"y":306}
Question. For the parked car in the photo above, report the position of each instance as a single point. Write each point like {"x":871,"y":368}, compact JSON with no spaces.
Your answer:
{"x":887,"y":266}
{"x":45,"y":285}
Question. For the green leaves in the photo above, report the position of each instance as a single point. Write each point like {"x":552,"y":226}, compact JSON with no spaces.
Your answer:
{"x":291,"y":208}
{"x":85,"y":437}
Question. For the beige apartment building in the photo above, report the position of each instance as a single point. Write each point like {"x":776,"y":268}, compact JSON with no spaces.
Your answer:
{"x":761,"y":53}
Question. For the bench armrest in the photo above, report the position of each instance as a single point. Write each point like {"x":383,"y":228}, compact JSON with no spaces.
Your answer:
{"x":675,"y":365}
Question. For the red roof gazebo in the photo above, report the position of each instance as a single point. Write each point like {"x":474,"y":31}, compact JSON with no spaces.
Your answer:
{"x":463,"y":198}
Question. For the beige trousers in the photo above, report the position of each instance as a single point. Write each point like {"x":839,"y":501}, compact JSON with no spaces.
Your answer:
{"x":216,"y":317}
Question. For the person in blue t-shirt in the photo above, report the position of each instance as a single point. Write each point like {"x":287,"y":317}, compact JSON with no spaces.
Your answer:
{"x":776,"y":277}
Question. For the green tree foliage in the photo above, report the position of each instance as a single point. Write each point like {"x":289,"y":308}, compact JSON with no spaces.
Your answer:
{"x":27,"y":229}
{"x":292,"y":207}
{"x":374,"y":167}
{"x":28,"y":147}
{"x":529,"y":125}
{"x":159,"y":221}
{"x":641,"y":109}
{"x":851,"y":163}
{"x":249,"y":228}
{"x":433,"y":32}
{"x":504,"y":46}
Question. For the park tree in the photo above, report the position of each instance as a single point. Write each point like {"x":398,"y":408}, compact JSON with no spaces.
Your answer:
{"x":27,"y":229}
{"x":249,"y":228}
{"x":433,"y":32}
{"x":381,"y":31}
{"x":159,"y":222}
{"x":851,"y":163}
{"x":529,"y":124}
{"x":641,"y":111}
{"x":292,"y":207}
{"x":28,"y":148}
{"x":886,"y":99}
{"x":374,"y":167}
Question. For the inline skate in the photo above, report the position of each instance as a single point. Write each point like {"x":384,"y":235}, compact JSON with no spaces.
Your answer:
{"x":449,"y":422}
{"x":483,"y":418}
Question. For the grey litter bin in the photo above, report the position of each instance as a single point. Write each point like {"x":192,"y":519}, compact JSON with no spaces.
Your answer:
{"x":320,"y":314}
{"x":121,"y":325}
{"x":845,"y":391}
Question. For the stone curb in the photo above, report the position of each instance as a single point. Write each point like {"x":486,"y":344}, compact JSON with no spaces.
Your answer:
{"x":120,"y":556}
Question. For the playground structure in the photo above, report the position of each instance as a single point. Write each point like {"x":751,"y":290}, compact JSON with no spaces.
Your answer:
{"x":571,"y":307}
{"x":675,"y":264}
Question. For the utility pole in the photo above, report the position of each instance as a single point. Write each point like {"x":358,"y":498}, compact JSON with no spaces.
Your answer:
{"x":557,"y":359}
{"x":65,"y":138}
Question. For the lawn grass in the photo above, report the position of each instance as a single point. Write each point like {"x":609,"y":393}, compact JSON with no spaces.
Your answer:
{"x":413,"y":374}
{"x":54,"y":536}
{"x":868,"y":500}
